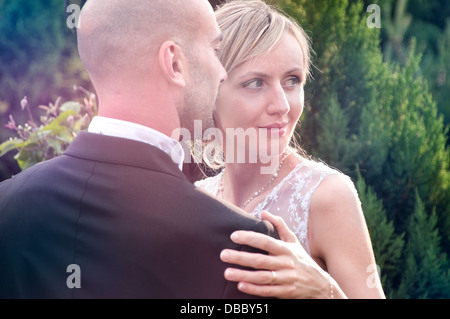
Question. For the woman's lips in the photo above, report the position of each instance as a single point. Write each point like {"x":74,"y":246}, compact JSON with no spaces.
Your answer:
{"x":276,"y":129}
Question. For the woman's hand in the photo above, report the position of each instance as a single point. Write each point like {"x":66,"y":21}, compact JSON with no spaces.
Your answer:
{"x":287,"y":272}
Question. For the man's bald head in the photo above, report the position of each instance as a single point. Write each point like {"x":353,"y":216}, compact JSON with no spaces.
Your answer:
{"x":119,"y":37}
{"x":153,"y":62}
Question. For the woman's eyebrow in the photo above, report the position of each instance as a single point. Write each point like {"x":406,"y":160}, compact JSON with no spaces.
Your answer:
{"x":255,"y":73}
{"x":265,"y":75}
{"x":296,"y":69}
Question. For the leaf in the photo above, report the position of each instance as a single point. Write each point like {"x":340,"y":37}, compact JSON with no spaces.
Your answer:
{"x":55,"y":144}
{"x":10,"y":145}
{"x":66,"y":136}
{"x":71,"y":106}
{"x":27,"y":158}
{"x":55,"y":126}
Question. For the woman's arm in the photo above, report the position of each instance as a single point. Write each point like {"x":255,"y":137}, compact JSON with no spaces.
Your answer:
{"x":287,"y":272}
{"x":339,"y":237}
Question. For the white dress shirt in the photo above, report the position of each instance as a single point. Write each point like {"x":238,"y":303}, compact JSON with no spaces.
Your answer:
{"x":124,"y":129}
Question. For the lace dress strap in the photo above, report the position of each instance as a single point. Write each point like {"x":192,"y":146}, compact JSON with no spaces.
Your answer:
{"x":290,"y":198}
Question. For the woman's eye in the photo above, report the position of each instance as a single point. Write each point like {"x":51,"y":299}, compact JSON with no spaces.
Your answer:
{"x":292,"y":81}
{"x":254,"y":84}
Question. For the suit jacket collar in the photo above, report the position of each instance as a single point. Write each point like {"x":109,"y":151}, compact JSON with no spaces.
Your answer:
{"x":121,"y":151}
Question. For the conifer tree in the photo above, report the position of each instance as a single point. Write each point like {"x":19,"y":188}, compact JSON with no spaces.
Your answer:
{"x":334,"y":137}
{"x":387,"y":245}
{"x":417,"y":152}
{"x":396,"y":25}
{"x":426,"y":273}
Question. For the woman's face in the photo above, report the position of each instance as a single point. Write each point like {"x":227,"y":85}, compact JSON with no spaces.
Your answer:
{"x":264,"y":93}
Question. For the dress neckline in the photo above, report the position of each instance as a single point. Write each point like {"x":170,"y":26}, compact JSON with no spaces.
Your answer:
{"x":272,"y":193}
{"x":257,"y":208}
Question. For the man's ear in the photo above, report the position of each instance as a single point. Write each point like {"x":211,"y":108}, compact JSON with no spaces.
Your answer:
{"x":173,"y":63}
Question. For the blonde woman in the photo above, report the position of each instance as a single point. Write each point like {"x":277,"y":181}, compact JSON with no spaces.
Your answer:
{"x":266,"y":55}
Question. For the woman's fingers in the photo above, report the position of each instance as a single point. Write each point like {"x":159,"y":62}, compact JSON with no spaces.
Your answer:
{"x":261,"y":277}
{"x":263,"y":283}
{"x":259,"y":241}
{"x":286,"y":272}
{"x":283,"y":230}
{"x":253,"y":260}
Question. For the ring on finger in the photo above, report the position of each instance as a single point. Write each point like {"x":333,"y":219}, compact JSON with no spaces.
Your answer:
{"x":274,"y":278}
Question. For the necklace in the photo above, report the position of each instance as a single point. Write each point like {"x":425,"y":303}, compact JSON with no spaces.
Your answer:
{"x":259,"y":191}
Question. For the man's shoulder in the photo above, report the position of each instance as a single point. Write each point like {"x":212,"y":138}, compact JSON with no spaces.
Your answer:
{"x":23,"y":176}
{"x":31,"y":184}
{"x":215,"y":210}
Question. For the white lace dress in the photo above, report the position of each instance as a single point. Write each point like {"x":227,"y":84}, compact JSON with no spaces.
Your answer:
{"x":290,"y":198}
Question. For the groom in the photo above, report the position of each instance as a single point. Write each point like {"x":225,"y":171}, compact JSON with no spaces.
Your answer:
{"x":114,"y":217}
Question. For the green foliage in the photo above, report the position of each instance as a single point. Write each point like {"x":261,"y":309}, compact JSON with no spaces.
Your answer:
{"x":39,"y":60}
{"x":37,"y":142}
{"x":426,"y":23}
{"x":426,"y":273}
{"x":424,"y":26}
{"x":334,"y":137}
{"x":417,"y":154}
{"x":373,"y":141}
{"x":387,"y":245}
{"x":436,"y":67}
{"x":395,"y":26}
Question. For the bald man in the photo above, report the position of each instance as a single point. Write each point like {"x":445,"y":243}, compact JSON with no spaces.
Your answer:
{"x":114,"y":217}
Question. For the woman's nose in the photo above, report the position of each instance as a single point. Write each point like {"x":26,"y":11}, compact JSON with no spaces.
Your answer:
{"x":278,"y":102}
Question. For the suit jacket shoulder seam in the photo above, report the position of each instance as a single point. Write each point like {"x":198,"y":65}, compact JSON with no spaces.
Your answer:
{"x":80,"y":209}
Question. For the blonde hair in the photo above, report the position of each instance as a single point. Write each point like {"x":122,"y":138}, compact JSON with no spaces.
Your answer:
{"x":251,"y":28}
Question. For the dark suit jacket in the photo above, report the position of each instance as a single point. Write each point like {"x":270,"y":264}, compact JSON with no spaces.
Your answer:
{"x":124,"y":213}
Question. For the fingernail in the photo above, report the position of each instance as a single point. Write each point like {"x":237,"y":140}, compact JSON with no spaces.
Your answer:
{"x":234,"y":237}
{"x":224,"y":255}
{"x":229,"y":274}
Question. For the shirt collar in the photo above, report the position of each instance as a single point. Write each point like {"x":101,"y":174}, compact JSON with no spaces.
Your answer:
{"x":133,"y":131}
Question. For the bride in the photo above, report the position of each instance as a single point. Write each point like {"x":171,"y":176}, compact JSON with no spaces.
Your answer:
{"x":266,"y":55}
